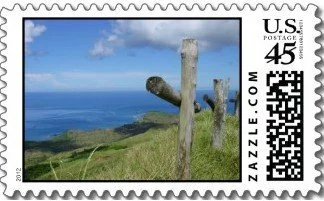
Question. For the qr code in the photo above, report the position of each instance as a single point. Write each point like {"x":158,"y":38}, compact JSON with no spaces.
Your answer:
{"x":285,"y":125}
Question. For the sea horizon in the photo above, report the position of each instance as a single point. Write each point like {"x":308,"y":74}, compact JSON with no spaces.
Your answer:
{"x":94,"y":91}
{"x":48,"y":114}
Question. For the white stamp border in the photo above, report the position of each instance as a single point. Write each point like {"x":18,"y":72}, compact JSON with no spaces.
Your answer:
{"x":121,"y":7}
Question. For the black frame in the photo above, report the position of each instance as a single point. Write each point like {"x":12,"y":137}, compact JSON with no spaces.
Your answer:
{"x":126,"y":18}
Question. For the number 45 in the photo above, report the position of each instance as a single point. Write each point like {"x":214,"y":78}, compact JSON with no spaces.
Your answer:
{"x":276,"y":56}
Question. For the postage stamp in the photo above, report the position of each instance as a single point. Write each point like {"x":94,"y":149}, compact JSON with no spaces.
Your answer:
{"x":110,"y":99}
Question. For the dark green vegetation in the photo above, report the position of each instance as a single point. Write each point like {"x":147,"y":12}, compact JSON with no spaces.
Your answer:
{"x":144,"y":150}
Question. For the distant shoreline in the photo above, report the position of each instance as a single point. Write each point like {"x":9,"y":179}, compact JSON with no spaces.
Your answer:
{"x":152,"y":119}
{"x":133,"y":128}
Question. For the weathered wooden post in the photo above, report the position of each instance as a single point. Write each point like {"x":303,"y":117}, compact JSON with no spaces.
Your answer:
{"x":225,"y":92}
{"x":219,"y":114}
{"x":157,"y":86}
{"x":189,"y":58}
{"x":237,"y":104}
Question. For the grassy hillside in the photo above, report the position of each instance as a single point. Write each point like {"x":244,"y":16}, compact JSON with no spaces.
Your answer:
{"x":122,"y":155}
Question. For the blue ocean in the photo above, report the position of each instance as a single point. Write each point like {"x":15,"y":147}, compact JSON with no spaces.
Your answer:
{"x":52,"y":113}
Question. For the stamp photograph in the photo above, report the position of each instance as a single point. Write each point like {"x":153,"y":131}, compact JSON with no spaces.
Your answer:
{"x":125,"y":99}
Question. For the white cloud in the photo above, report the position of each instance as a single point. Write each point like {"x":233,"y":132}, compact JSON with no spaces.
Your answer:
{"x":83,"y":81}
{"x":43,"y":82}
{"x":211,"y":34}
{"x":35,"y":53}
{"x":112,"y":75}
{"x":38,"y":76}
{"x":32,"y":31}
{"x":101,"y":49}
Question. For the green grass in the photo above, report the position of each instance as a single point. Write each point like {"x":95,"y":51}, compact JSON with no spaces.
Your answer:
{"x":151,"y":155}
{"x":159,"y":118}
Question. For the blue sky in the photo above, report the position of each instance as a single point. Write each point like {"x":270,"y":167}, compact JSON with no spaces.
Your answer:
{"x":119,"y":55}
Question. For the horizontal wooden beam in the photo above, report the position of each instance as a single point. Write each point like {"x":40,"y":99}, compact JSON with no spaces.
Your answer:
{"x":209,"y":101}
{"x":157,"y":86}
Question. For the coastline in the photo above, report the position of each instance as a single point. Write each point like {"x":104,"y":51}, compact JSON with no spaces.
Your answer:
{"x":74,"y":139}
{"x":121,"y":156}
